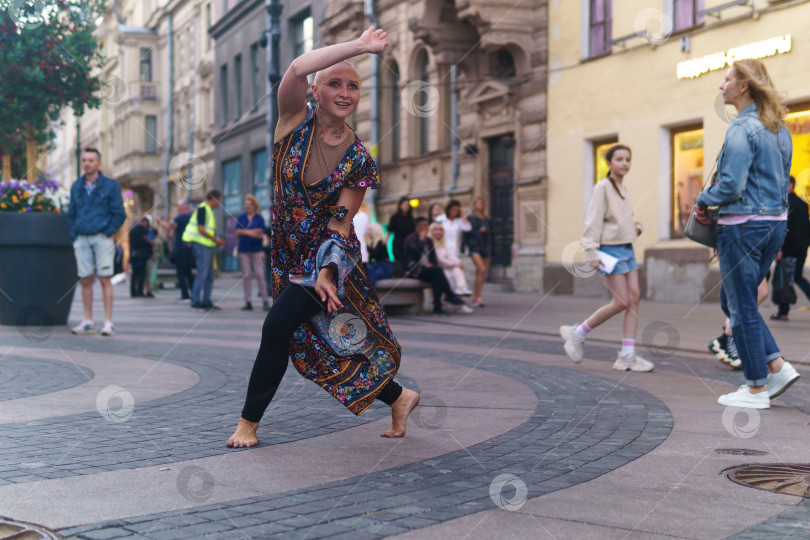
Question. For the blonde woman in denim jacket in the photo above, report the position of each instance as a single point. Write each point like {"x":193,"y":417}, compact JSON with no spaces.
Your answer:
{"x":751,"y":196}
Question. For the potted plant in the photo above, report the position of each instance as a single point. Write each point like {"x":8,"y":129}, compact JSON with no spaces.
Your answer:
{"x":38,"y":273}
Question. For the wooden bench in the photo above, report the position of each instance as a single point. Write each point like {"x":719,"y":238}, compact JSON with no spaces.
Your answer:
{"x":404,"y":293}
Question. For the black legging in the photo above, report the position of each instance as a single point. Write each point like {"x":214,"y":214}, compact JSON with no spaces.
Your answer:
{"x":293,"y":306}
{"x":438,"y":281}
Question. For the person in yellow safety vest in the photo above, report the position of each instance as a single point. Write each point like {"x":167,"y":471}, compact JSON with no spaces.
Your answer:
{"x":200,"y":234}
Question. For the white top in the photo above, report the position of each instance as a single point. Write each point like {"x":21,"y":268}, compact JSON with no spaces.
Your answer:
{"x":445,"y":259}
{"x":360,"y":223}
{"x":452,"y":233}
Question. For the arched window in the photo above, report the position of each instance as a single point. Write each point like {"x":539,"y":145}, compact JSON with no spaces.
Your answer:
{"x":503,"y":64}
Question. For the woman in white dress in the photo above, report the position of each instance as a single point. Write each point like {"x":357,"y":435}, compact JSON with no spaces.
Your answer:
{"x":454,"y":224}
{"x":452,"y":265}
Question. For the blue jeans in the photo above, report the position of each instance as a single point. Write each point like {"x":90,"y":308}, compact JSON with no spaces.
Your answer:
{"x":204,"y":282}
{"x":380,"y":270}
{"x":746,"y":253}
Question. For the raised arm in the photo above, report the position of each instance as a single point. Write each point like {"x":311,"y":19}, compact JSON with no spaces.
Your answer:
{"x":292,"y":92}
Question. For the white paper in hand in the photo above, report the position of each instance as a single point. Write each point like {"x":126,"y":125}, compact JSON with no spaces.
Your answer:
{"x":607,"y":263}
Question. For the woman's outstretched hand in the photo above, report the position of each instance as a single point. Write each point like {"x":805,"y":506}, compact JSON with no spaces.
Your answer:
{"x":374,"y":40}
{"x":327,"y":291}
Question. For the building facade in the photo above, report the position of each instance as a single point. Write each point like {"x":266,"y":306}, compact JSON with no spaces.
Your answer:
{"x":646,"y":74}
{"x":154,"y":126}
{"x":458,"y":110}
{"x":242,"y":90}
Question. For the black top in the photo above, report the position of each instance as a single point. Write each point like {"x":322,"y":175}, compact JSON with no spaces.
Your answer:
{"x":139,"y":246}
{"x":401,"y":225}
{"x":798,"y":228}
{"x":180,"y":222}
{"x":378,"y":253}
{"x":417,"y":252}
{"x":476,"y":240}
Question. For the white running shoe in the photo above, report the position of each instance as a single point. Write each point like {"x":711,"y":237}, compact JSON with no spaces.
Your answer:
{"x":84,"y":328}
{"x":466,"y":309}
{"x":632,"y":362}
{"x":573,"y":343}
{"x":744,"y":399}
{"x":109,"y":329}
{"x":779,"y":382}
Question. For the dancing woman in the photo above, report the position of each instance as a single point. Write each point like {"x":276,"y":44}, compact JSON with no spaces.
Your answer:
{"x":325,"y":315}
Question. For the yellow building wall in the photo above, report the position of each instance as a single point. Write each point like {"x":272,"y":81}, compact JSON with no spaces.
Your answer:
{"x":635,"y":94}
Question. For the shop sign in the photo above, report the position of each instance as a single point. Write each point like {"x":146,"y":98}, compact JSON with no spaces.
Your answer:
{"x":696,"y":67}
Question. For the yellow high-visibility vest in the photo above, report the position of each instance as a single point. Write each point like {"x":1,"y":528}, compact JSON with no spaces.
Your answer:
{"x":192,"y":233}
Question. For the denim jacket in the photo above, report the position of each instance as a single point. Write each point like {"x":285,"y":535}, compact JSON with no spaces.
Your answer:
{"x":100,"y":211}
{"x":753,"y":169}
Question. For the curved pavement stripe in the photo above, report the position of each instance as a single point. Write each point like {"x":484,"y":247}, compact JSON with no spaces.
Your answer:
{"x":276,"y":468}
{"x":583,"y":426}
{"x":145,"y":379}
{"x":21,"y":377}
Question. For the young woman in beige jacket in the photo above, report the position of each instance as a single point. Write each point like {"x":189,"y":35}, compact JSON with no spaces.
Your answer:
{"x":610,"y":229}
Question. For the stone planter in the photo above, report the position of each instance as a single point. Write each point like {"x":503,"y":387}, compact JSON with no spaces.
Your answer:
{"x":37,"y":269}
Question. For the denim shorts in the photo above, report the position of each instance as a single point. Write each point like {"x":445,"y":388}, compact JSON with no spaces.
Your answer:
{"x":626,"y":256}
{"x":95,"y":255}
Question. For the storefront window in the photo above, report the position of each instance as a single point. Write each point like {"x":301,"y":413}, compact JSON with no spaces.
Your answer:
{"x":798,"y":123}
{"x":600,"y":167}
{"x":232,"y":207}
{"x":687,"y":175}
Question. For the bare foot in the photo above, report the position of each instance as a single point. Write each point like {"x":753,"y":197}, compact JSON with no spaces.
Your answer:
{"x":400,"y":411}
{"x":245,"y":435}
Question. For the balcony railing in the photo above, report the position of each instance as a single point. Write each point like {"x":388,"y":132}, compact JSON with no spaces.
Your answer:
{"x":148,"y":91}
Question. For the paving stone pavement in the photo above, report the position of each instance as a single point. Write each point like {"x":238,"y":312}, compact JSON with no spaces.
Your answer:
{"x":584,"y":426}
{"x":791,"y":524}
{"x":183,"y":426}
{"x":22,"y":377}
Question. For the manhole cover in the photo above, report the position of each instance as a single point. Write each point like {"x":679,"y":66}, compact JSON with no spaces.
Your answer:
{"x":19,"y":530}
{"x":741,"y":452}
{"x":788,"y":478}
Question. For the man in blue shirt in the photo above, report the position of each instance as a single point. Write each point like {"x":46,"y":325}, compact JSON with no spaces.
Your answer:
{"x":95,"y":214}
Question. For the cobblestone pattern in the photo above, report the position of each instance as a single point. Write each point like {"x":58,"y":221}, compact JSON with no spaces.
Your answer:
{"x":188,"y":425}
{"x":665,"y":358}
{"x":791,"y":524}
{"x":583,"y":427}
{"x":23,"y":376}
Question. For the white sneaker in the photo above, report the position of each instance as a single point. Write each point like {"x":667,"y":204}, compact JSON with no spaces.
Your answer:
{"x":779,"y":382}
{"x":108,"y":330}
{"x":744,"y":399}
{"x":466,"y":309}
{"x":573,"y":343}
{"x":632,"y":362}
{"x":84,"y":328}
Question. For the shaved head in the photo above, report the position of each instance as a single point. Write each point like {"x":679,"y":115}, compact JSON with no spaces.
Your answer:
{"x":341,"y":69}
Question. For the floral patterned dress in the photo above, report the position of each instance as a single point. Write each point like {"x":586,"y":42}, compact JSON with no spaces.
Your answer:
{"x":352,"y":354}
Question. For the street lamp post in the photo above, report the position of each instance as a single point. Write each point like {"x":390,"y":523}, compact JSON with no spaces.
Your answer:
{"x":274,"y":9}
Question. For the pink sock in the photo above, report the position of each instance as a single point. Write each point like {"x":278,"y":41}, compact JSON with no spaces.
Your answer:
{"x":628,"y":346}
{"x":582,"y":330}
